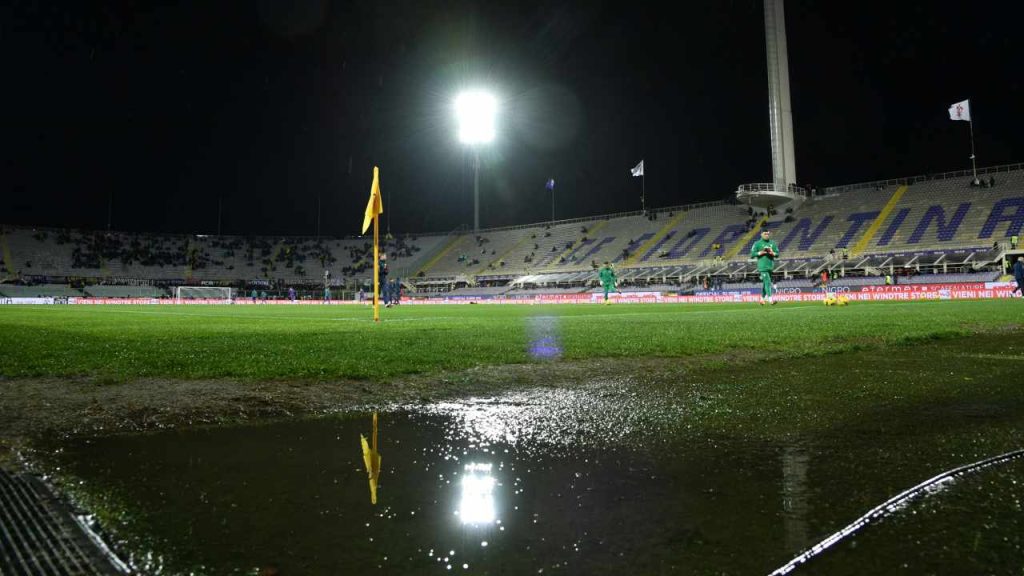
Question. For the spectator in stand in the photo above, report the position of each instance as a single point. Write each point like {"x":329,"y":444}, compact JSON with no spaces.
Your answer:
{"x":1018,"y":274}
{"x":382,"y":275}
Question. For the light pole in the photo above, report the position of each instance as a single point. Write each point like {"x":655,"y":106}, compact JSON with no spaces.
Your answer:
{"x":475,"y":111}
{"x":476,"y":188}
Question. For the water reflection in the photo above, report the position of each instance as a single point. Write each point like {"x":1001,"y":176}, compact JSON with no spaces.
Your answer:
{"x":371,"y":459}
{"x":586,"y":481}
{"x":795,"y":462}
{"x":476,"y":506}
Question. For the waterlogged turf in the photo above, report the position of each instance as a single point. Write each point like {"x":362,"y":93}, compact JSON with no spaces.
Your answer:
{"x":330,"y":342}
{"x":730,"y":469}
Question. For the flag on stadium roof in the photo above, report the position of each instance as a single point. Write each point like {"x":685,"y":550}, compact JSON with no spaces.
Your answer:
{"x":638,"y":170}
{"x":961,"y":111}
{"x":550,"y":184}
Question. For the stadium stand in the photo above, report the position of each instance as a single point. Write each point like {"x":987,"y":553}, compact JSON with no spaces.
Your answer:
{"x":125,"y":292}
{"x":98,"y":257}
{"x":38,"y":291}
{"x":942,"y":223}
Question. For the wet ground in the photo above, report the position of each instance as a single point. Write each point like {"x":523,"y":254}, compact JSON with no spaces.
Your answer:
{"x":972,"y":526}
{"x":727,"y":470}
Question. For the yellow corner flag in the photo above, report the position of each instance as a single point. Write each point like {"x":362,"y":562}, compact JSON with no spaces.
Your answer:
{"x":375,"y":206}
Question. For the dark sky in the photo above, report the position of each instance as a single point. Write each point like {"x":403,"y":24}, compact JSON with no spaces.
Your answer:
{"x":270,"y":105}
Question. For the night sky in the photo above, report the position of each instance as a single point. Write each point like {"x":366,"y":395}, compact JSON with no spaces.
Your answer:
{"x":272,"y":105}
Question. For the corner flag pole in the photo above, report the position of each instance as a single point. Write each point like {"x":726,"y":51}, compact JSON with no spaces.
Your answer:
{"x":374,"y":208}
{"x":376,"y":267}
{"x":643,"y":191}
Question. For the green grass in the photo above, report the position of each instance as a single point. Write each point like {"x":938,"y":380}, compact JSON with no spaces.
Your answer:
{"x":303,"y":342}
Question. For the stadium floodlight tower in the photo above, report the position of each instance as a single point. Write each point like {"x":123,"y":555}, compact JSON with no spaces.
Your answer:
{"x":783,"y":189}
{"x":475,"y":111}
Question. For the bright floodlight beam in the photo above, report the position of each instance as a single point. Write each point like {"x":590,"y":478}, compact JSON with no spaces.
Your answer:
{"x":475,"y":111}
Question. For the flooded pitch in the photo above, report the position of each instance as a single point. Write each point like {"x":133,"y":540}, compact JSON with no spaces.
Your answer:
{"x":598,"y":480}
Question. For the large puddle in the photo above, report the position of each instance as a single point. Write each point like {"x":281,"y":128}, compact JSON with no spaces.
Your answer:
{"x":593,"y":481}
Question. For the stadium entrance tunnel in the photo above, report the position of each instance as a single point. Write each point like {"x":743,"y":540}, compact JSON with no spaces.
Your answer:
{"x":735,"y":470}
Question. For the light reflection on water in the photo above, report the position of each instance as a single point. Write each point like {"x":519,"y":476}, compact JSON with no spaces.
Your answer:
{"x":543,"y":337}
{"x":476,"y":505}
{"x":502,"y":485}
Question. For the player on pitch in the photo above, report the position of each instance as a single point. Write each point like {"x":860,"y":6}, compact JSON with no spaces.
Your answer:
{"x":607,"y":276}
{"x":765,"y":251}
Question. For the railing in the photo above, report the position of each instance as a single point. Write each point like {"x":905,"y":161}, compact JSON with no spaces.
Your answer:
{"x":924,"y":178}
{"x":791,"y":189}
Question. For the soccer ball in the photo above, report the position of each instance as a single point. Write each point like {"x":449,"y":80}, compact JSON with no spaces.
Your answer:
{"x":833,"y":300}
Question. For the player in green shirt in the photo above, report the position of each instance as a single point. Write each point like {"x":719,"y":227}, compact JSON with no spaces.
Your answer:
{"x":765,"y":251}
{"x":607,"y":276}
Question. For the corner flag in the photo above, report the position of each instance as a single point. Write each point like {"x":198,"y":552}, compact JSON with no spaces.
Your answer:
{"x":638,"y":170}
{"x":375,"y":206}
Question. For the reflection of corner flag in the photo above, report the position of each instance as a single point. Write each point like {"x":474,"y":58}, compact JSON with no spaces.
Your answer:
{"x":372,"y":459}
{"x":375,"y":205}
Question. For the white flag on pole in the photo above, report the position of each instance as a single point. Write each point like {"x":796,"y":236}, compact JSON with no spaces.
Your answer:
{"x":960,"y":111}
{"x":638,"y":170}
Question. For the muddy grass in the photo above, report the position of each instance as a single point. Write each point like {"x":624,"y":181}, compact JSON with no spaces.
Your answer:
{"x":55,"y":406}
{"x":48,"y":407}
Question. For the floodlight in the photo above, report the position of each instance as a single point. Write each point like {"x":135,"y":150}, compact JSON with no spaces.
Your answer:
{"x":475,"y":111}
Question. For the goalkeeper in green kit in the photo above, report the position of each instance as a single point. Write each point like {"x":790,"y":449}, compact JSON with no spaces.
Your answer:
{"x":765,"y":251}
{"x":607,"y":276}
